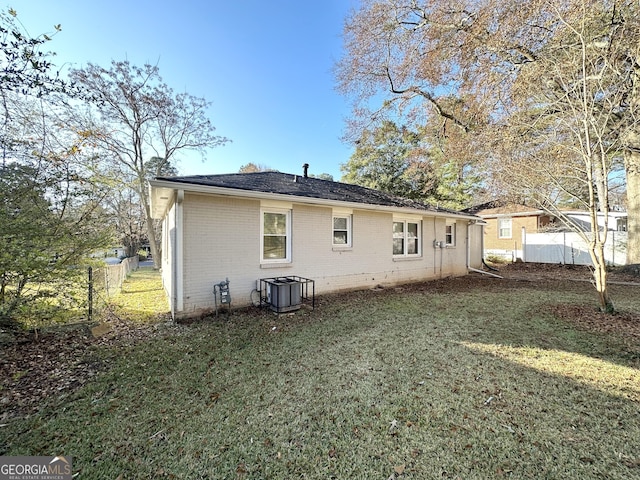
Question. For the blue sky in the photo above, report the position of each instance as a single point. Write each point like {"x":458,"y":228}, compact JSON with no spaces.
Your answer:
{"x":266,"y":66}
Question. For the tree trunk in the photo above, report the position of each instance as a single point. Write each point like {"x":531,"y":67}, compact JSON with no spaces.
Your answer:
{"x":632,"y":167}
{"x":600,"y":276}
{"x":151,"y":235}
{"x":151,"y":232}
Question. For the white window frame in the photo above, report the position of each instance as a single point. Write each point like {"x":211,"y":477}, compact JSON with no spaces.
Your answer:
{"x":405,"y":237}
{"x":278,"y":211}
{"x":450,"y":233}
{"x":508,"y":220}
{"x":621,"y":224}
{"x":348,"y":218}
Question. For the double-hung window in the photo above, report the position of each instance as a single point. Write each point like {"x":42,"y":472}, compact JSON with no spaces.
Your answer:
{"x":450,"y":234}
{"x":341,"y":229}
{"x":504,"y":227}
{"x":406,"y":238}
{"x":275,"y":236}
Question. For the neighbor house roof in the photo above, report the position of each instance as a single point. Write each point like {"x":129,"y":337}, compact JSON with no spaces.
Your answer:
{"x":284,"y":186}
{"x":497,"y":208}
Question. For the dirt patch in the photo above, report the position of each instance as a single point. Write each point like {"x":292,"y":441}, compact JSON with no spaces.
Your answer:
{"x":584,"y":317}
{"x":37,"y":366}
{"x":548,"y":271}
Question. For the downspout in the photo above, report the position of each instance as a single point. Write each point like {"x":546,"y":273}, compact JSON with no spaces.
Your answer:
{"x":469,"y":267}
{"x":435,"y":238}
{"x":179,"y":271}
{"x":469,"y":244}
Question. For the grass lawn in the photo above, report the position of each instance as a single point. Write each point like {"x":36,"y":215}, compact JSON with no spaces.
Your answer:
{"x":469,"y":379}
{"x":141,"y":297}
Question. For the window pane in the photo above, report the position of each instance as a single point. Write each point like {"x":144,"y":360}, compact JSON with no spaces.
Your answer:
{"x":412,"y":246}
{"x":339,"y":223}
{"x":504,"y":228}
{"x":398,"y":238}
{"x":339,"y":238}
{"x":450,"y":234}
{"x":398,"y":246}
{"x":274,"y":247}
{"x":412,"y":238}
{"x":275,"y":224}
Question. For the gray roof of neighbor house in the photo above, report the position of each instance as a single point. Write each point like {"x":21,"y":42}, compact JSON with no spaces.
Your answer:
{"x":286,"y":184}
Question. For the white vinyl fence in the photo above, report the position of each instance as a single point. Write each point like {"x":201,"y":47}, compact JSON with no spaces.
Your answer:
{"x":570,"y":248}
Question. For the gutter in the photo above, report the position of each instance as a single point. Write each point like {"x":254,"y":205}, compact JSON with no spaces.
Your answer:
{"x":469,"y":267}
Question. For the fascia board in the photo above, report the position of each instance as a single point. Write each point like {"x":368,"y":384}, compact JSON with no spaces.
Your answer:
{"x":510,"y":215}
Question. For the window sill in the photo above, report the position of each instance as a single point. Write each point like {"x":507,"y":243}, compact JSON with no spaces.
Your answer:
{"x":276,"y":265}
{"x":407,"y":259}
{"x":341,"y":249}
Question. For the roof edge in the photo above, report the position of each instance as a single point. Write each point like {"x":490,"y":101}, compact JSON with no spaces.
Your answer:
{"x":235,"y":192}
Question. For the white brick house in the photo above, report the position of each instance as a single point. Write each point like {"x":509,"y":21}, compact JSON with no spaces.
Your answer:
{"x":245,"y":227}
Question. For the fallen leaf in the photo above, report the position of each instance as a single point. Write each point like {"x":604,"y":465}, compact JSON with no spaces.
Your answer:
{"x":399,"y":469}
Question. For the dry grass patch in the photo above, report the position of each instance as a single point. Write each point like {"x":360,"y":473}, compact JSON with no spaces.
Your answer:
{"x":142,"y":298}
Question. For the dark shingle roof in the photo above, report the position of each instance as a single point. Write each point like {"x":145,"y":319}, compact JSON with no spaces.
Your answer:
{"x":484,"y":206}
{"x":300,"y":186}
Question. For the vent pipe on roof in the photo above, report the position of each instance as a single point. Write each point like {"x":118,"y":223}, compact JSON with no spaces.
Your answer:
{"x":305,"y":169}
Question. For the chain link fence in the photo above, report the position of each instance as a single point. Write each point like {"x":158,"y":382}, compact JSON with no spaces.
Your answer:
{"x":104,"y":282}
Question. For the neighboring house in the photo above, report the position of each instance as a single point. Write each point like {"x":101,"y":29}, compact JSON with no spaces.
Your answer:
{"x":504,"y":225}
{"x":510,"y":230}
{"x":251,"y":226}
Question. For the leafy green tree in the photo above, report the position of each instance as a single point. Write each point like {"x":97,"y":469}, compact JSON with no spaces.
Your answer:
{"x":397,"y":160}
{"x":391,"y":159}
{"x":253,"y":167}
{"x":323,"y":176}
{"x":24,"y":67}
{"x":51,"y":216}
{"x":50,"y":224}
{"x":159,"y":167}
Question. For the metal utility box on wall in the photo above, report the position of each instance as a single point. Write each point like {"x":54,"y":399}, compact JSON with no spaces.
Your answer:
{"x":222,"y":295}
{"x":285,"y":294}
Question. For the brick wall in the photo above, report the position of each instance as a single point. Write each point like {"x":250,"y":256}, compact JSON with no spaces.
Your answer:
{"x":222,"y":240}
